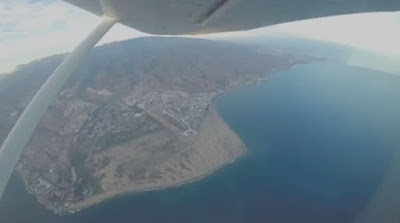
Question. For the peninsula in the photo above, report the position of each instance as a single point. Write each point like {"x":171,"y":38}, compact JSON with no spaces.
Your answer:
{"x":138,"y":115}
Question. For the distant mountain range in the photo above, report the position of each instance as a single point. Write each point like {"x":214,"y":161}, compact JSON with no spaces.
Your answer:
{"x":334,"y":52}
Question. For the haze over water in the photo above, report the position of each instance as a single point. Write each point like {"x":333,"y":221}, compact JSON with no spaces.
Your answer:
{"x":319,"y":139}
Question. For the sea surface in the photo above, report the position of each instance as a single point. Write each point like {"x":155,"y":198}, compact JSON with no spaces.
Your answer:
{"x":320,"y":137}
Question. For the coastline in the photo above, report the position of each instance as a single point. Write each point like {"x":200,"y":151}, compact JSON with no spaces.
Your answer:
{"x":237,"y":191}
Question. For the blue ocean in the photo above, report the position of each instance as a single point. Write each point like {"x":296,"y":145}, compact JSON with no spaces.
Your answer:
{"x":320,"y":137}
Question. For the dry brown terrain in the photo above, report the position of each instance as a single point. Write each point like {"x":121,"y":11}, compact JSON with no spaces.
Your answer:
{"x":191,"y":158}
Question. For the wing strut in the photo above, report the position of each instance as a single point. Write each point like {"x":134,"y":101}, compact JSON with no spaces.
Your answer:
{"x":21,"y":132}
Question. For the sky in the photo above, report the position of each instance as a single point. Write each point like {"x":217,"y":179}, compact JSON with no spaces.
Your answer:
{"x":31,"y":29}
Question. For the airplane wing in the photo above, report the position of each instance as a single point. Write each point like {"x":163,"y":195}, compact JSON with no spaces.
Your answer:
{"x":174,"y":17}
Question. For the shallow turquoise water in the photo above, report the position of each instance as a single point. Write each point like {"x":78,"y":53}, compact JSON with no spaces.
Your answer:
{"x":319,"y":136}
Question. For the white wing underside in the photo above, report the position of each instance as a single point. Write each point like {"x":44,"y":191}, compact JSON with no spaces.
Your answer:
{"x":173,"y":17}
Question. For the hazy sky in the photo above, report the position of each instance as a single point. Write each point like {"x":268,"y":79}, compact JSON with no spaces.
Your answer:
{"x":30,"y":29}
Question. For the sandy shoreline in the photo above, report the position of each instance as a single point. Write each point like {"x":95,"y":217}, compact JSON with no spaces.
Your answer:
{"x":100,"y":199}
